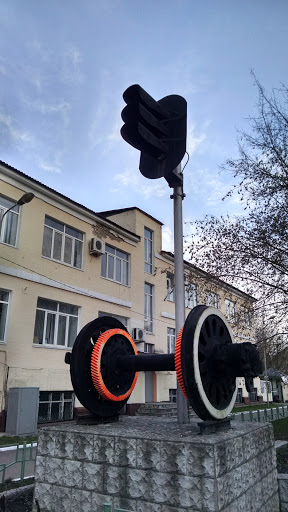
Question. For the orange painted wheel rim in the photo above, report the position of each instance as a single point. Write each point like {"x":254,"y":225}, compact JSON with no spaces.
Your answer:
{"x":178,"y":367}
{"x":96,"y":365}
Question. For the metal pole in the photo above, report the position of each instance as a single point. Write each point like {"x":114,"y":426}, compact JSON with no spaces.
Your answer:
{"x":266,"y":375}
{"x":178,"y":196}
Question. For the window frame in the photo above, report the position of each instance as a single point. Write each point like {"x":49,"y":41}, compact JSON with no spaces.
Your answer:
{"x":64,"y":236}
{"x":230,"y":315}
{"x":122,"y":319}
{"x":7,"y":303}
{"x":148,"y":243}
{"x":61,"y":401}
{"x":170,"y":288}
{"x":149,"y":309}
{"x":215,"y":299}
{"x":15,"y":211}
{"x":115,"y":259}
{"x":171,"y":340}
{"x":57,"y":314}
{"x":191,"y":300}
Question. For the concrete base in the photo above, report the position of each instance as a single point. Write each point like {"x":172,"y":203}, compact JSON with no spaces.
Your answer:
{"x":147,"y":465}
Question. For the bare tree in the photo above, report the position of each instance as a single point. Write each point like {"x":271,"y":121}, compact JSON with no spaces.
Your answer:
{"x":251,"y":251}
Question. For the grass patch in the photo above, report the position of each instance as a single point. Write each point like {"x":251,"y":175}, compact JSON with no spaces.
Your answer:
{"x":12,"y":440}
{"x":281,"y":429}
{"x":255,"y":407}
{"x":9,"y":484}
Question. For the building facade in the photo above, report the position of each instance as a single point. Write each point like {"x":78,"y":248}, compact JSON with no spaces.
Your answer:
{"x":62,"y":265}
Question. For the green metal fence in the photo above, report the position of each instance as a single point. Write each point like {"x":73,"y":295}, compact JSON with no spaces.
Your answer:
{"x":108,"y":508}
{"x":24,"y":454}
{"x":262,"y":415}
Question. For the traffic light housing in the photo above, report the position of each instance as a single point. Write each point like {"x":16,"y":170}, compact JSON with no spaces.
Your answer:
{"x":158,"y":129}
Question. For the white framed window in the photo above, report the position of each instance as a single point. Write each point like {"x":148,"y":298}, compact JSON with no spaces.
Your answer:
{"x":62,"y":243}
{"x":148,"y":250}
{"x":170,"y":287}
{"x":212,"y":299}
{"x":122,"y":319}
{"x":247,"y":318}
{"x":148,"y":307}
{"x":55,"y":406}
{"x":230,"y":310}
{"x":173,"y":395}
{"x":4,"y":303}
{"x":191,"y":293}
{"x":9,"y":222}
{"x":171,"y":340}
{"x":56,"y":323}
{"x":115,"y":265}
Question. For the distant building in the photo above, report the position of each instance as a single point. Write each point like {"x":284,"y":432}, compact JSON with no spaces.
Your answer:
{"x":62,"y":265}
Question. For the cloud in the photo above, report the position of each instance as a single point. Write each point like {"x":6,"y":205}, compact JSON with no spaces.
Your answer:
{"x":194,"y":141}
{"x":72,"y":72}
{"x":49,"y":168}
{"x":15,"y":136}
{"x":131,"y":179}
{"x":167,"y":239}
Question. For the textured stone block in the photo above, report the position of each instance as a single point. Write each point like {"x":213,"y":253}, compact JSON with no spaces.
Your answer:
{"x":46,"y":443}
{"x":188,"y":492}
{"x":40,"y":468}
{"x":98,"y":501}
{"x":115,"y":481}
{"x":239,"y":505}
{"x":93,"y":477}
{"x":125,"y":452}
{"x":234,"y":453}
{"x":60,"y":500}
{"x":83,"y":447}
{"x":138,"y":484}
{"x":81,"y":501}
{"x":64,"y":445}
{"x":266,"y":461}
{"x":54,"y":470}
{"x":42,"y":494}
{"x":72,"y":474}
{"x":149,"y":507}
{"x":149,"y":454}
{"x":283,"y":488}
{"x":174,"y":458}
{"x":209,"y":494}
{"x":163,"y":488}
{"x":125,"y":504}
{"x":200,"y":460}
{"x":103,"y":450}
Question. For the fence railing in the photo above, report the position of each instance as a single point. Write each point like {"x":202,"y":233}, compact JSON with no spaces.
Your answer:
{"x":261,"y":415}
{"x":108,"y":508}
{"x":24,"y":454}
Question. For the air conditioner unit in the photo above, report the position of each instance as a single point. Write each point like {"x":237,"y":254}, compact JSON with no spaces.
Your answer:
{"x":97,"y":246}
{"x":138,"y":334}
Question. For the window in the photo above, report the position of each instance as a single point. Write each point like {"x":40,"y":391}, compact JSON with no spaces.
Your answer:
{"x":170,"y":287}
{"x":171,"y":340}
{"x":212,"y":299}
{"x":173,"y":395}
{"x":115,"y":265}
{"x":190,"y":295}
{"x":148,"y":308}
{"x":253,"y":395}
{"x":56,"y":323}
{"x":62,"y":243}
{"x":55,"y":406}
{"x":4,"y":301}
{"x":239,"y":396}
{"x":9,"y":225}
{"x":230,"y":308}
{"x":148,"y":250}
{"x":149,"y":348}
{"x":247,"y":317}
{"x":122,"y":319}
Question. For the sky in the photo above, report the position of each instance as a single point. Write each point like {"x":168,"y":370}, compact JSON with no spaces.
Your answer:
{"x":64,"y":66}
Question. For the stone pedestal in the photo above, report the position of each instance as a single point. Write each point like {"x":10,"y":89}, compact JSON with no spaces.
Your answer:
{"x":147,"y":465}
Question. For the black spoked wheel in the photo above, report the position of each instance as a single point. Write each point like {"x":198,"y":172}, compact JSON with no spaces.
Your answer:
{"x":211,"y":392}
{"x":80,"y":368}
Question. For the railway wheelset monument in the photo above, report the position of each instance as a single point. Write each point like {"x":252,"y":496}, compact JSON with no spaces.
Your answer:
{"x":143,"y":464}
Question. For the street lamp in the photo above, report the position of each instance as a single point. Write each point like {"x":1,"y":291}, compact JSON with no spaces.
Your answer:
{"x":265,"y":361}
{"x":26,"y":198}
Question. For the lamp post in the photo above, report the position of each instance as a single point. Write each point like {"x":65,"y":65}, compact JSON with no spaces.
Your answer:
{"x":26,"y":198}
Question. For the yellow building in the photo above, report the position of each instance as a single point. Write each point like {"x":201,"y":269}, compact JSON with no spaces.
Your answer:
{"x":62,"y":265}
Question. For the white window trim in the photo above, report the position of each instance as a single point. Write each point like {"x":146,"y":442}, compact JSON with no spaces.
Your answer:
{"x":170,"y":336}
{"x":149,"y":319}
{"x":57,"y":313}
{"x":114,"y":266}
{"x":64,"y":234}
{"x":5,"y":220}
{"x":228,"y":305}
{"x":4,"y":341}
{"x":146,"y":241}
{"x":214,"y":295}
